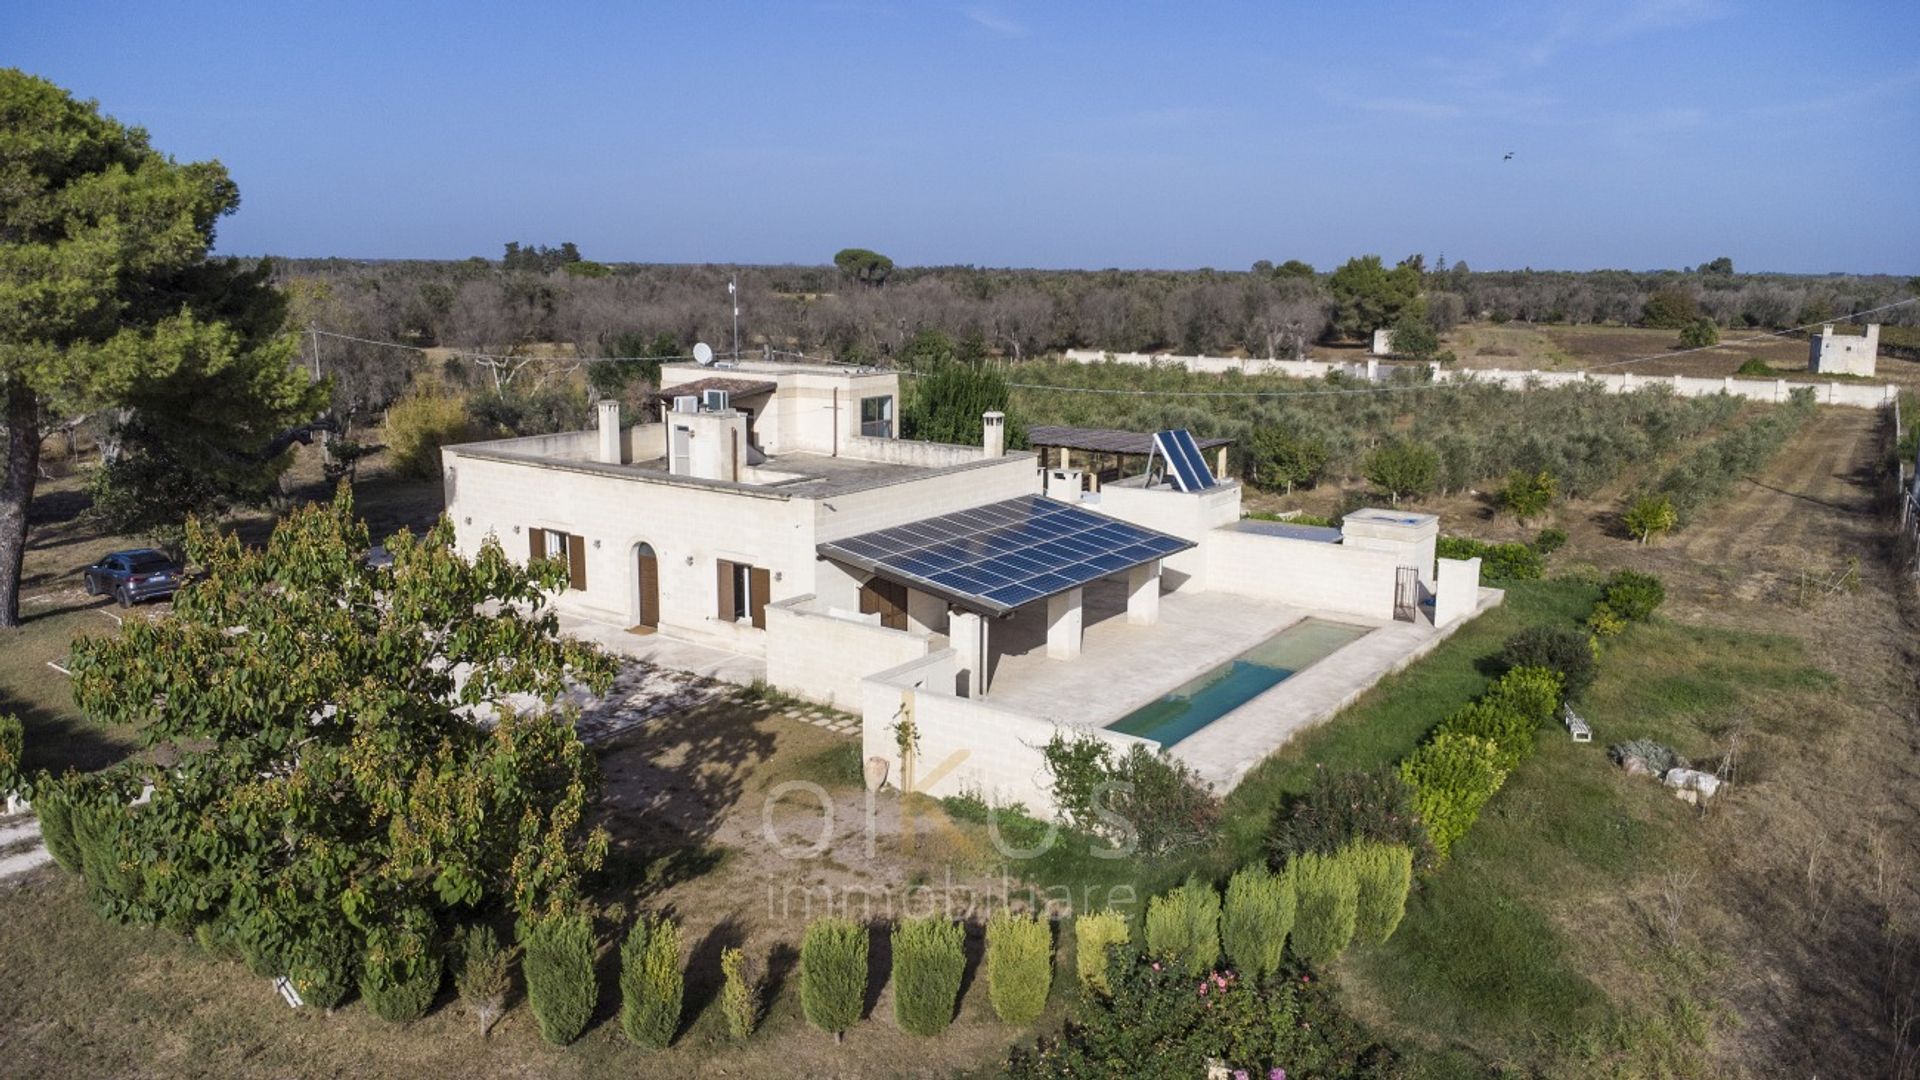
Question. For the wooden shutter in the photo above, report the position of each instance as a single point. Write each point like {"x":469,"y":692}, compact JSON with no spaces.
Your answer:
{"x":577,"y":562}
{"x":887,"y":599}
{"x":725,"y":569}
{"x":536,"y":542}
{"x":760,"y":583}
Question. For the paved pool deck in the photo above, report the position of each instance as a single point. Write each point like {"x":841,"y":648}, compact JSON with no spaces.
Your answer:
{"x":1121,"y":666}
{"x":1226,"y":750}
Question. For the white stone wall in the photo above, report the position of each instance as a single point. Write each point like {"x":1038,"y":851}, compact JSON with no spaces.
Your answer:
{"x":1303,"y":573}
{"x":1189,"y":516}
{"x":965,"y":746}
{"x":615,"y":513}
{"x":990,"y":480}
{"x":823,"y":658}
{"x":1458,"y":590}
{"x":1776,"y":390}
{"x":1829,"y":353}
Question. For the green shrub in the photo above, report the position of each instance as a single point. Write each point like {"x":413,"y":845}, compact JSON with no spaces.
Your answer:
{"x":322,"y":965}
{"x":13,"y":745}
{"x":112,"y":871}
{"x":1753,"y":365}
{"x":1256,"y":919}
{"x":929,"y":958}
{"x":1526,"y":495}
{"x":426,"y":418}
{"x":1402,"y":467}
{"x":1548,"y":541}
{"x":400,"y":971}
{"x":1383,"y":875}
{"x":1452,"y":777}
{"x":1019,"y":966}
{"x":484,"y":975}
{"x":651,"y":985}
{"x":53,"y":803}
{"x":1156,"y":800}
{"x":1534,"y":692}
{"x":1604,"y":622}
{"x":1163,"y":1023}
{"x":1633,"y":595}
{"x":1498,"y":562}
{"x":1343,"y":805}
{"x":1556,"y":648}
{"x":561,"y":985}
{"x":1699,"y":334}
{"x":833,"y":974}
{"x":1510,"y":732}
{"x":1326,"y":898}
{"x":1183,"y":926}
{"x":1649,"y":516}
{"x":739,"y":994}
{"x":1094,"y":934}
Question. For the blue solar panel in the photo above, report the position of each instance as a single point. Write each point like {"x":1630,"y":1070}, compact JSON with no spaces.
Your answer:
{"x":1184,"y":463}
{"x":1000,"y":556}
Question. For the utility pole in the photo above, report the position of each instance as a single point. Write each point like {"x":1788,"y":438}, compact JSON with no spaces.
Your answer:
{"x":733,"y":295}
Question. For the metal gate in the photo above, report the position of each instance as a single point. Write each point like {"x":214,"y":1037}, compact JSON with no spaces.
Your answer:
{"x":1406,"y":593}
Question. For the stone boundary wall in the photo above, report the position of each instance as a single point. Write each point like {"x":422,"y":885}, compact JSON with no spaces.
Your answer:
{"x":1854,"y":395}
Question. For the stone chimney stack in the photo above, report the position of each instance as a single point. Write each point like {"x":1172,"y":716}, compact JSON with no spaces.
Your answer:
{"x":993,"y":433}
{"x":608,"y":451}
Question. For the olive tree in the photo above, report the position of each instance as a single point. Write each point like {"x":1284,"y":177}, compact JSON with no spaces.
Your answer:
{"x":344,"y":744}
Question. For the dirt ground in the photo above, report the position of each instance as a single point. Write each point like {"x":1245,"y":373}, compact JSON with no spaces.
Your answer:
{"x":1811,"y":898}
{"x":1590,"y":348}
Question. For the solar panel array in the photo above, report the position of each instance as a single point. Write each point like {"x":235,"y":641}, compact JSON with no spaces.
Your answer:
{"x":1184,"y":463}
{"x":1005,"y":554}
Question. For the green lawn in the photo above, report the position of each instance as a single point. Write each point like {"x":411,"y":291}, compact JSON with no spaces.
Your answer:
{"x":1500,"y":952}
{"x":1394,"y":716}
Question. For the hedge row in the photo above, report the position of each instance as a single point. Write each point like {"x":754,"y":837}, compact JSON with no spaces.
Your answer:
{"x":1454,"y":773}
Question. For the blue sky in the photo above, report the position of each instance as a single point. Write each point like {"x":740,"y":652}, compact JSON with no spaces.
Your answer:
{"x":1645,"y":134}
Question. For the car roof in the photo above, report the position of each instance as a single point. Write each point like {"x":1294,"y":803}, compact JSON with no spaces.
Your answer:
{"x":138,"y":551}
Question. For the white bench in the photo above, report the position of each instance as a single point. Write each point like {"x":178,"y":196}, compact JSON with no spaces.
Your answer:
{"x":1578,"y":728}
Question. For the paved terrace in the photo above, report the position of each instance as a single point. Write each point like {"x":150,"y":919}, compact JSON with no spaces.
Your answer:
{"x":1122,"y":667}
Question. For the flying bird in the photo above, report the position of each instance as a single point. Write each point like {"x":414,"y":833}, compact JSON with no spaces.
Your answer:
{"x":1509,"y":156}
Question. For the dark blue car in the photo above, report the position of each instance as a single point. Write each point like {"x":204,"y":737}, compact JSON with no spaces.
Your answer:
{"x":132,"y":576}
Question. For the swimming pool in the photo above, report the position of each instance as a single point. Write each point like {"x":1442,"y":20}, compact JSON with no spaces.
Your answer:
{"x":1200,"y":702}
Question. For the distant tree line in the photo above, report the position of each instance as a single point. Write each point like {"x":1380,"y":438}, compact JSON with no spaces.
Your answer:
{"x":865,"y":307}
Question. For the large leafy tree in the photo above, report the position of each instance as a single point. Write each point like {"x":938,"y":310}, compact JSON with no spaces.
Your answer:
{"x":348,"y":761}
{"x":1367,"y":296}
{"x":108,"y":301}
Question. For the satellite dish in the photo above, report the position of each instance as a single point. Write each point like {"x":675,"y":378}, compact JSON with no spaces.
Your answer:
{"x":702,"y":353}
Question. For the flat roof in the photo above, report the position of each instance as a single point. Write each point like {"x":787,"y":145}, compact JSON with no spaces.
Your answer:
{"x":1103,"y":440}
{"x":1004,"y":555}
{"x":1324,"y":534}
{"x":733,"y":386}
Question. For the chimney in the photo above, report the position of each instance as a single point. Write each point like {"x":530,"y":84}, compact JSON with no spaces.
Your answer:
{"x":609,"y":448}
{"x":1873,"y":337}
{"x":993,"y":433}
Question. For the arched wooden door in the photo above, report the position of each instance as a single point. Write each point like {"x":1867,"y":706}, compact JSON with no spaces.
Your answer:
{"x":647,"y":587}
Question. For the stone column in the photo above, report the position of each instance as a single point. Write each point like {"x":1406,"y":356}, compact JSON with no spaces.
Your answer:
{"x":1064,"y":624}
{"x":967,"y":634}
{"x":1143,"y":594}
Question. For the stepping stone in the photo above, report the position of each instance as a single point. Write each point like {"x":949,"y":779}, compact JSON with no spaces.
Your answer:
{"x":15,"y":865}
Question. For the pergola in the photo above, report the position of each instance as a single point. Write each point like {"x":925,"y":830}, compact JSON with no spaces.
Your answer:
{"x":1119,"y":444}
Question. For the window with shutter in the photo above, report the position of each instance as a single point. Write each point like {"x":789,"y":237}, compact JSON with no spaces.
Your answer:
{"x":724,"y":572}
{"x":536,"y":542}
{"x":576,"y":562}
{"x":761,"y":583}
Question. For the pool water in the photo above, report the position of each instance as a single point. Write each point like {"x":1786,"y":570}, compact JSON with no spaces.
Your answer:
{"x":1196,"y":704}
